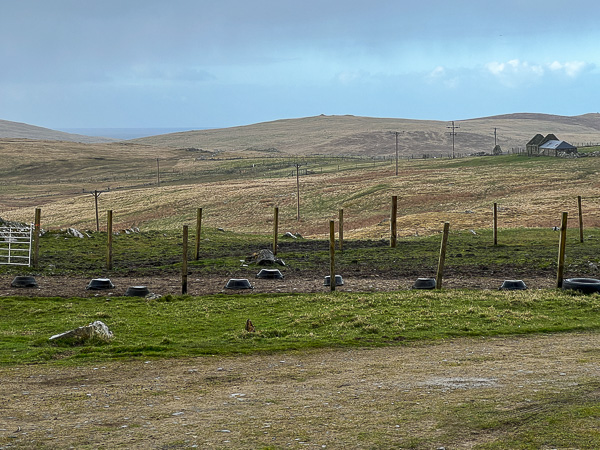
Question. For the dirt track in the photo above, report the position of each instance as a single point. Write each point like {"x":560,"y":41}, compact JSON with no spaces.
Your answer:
{"x":52,"y":286}
{"x":383,"y":398}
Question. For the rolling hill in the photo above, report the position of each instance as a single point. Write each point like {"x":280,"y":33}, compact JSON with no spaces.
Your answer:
{"x":366,"y":136}
{"x":353,"y":135}
{"x":18,"y":130}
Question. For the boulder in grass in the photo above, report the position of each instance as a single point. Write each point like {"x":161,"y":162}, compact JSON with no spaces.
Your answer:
{"x":95,"y":330}
{"x":264,"y":257}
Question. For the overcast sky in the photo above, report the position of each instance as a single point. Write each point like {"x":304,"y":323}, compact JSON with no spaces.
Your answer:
{"x":217,"y":63}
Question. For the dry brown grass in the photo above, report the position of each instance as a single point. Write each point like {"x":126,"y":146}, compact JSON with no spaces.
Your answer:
{"x":530,"y":192}
{"x":367,"y":136}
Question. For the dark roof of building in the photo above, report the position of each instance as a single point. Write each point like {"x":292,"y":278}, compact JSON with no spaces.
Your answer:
{"x":555,"y":144}
{"x":536,"y":140}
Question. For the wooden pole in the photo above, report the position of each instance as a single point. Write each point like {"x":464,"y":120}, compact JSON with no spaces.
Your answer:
{"x":157,"y":172}
{"x":561,"y":251}
{"x":96,"y":194}
{"x":393,"y":221}
{"x":298,"y":191}
{"x":184,"y":267}
{"x":184,"y":261}
{"x":580,"y":219}
{"x":275,"y":228}
{"x":341,"y":229}
{"x":396,"y":153}
{"x":495,"y":224}
{"x":198,"y":231}
{"x":36,"y":237}
{"x":109,"y":236}
{"x":440,"y":271}
{"x":332,"y":255}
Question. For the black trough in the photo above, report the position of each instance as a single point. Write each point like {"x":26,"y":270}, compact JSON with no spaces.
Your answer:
{"x":339,"y":281}
{"x":238,"y":283}
{"x":272,"y":274}
{"x":24,"y":282}
{"x":513,"y":285}
{"x":424,"y":283}
{"x":98,"y":284}
{"x":137,"y":291}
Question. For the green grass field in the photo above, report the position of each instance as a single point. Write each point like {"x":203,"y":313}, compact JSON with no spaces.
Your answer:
{"x":183,"y":326}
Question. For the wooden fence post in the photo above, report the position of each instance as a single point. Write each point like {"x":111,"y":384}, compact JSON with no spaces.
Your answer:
{"x":393,"y":221}
{"x":332,"y":255}
{"x":36,"y":237}
{"x":198,"y":230}
{"x":298,"y":192}
{"x":184,"y":258}
{"x":580,"y":219}
{"x":341,"y":229}
{"x":109,"y":239}
{"x":561,"y":251}
{"x":275,"y":228}
{"x":96,"y":194}
{"x":440,"y":271}
{"x":495,"y":224}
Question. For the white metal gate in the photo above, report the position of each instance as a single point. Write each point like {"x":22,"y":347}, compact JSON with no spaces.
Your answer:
{"x":15,"y":245}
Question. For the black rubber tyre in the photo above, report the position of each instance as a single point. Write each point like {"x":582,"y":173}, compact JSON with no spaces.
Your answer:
{"x":585,"y":285}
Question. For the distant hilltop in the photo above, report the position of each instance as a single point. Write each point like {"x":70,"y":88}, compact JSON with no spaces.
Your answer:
{"x":18,"y":130}
{"x":353,"y":135}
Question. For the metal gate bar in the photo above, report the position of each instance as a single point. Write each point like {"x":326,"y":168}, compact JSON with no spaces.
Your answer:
{"x":15,"y":245}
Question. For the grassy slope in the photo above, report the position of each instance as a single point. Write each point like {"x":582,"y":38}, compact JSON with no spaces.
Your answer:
{"x":164,"y":327}
{"x":530,"y":192}
{"x":352,"y":135}
{"x":18,"y":130}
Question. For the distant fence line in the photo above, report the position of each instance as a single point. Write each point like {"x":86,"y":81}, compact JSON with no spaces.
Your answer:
{"x":312,"y":164}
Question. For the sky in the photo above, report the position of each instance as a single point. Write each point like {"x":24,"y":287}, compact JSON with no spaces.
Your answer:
{"x":221,"y":63}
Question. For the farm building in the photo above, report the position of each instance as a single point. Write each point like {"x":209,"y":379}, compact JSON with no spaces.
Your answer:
{"x":548,"y":146}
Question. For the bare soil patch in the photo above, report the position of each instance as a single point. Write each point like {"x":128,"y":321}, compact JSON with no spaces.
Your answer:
{"x":72,"y":286}
{"x":375,"y":398}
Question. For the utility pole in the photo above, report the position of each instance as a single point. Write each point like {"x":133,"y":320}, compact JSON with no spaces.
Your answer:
{"x":397,"y":133}
{"x":495,"y":136}
{"x":453,"y":133}
{"x":157,"y":172}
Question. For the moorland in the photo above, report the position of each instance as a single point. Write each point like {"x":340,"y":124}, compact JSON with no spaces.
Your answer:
{"x":374,"y":364}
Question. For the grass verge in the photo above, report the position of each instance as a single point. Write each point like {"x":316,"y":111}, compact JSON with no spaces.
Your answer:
{"x":183,"y":326}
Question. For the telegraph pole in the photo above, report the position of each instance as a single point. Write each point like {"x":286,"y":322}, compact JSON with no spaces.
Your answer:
{"x":396,"y":153}
{"x":453,"y":133}
{"x":397,"y":133}
{"x":495,"y":141}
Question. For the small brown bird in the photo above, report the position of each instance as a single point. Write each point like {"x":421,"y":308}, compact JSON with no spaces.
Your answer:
{"x":249,"y":326}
